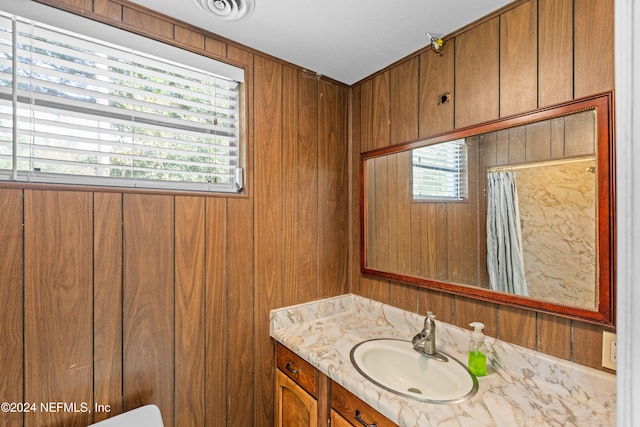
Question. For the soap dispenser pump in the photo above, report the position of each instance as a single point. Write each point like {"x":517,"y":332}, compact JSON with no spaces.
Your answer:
{"x":477,"y":351}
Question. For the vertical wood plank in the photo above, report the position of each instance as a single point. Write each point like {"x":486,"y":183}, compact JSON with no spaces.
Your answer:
{"x":343,"y":191}
{"x":554,"y":335}
{"x":108,"y":9}
{"x":290,"y":189}
{"x":366,"y":116}
{"x":11,"y":295}
{"x":381,"y":114}
{"x":477,"y":74}
{"x":354,"y":229}
{"x":518,"y":59}
{"x":308,"y":189}
{"x":269,"y":242}
{"x":438,"y":303}
{"x":375,"y":288}
{"x":332,"y":199}
{"x":58,"y":344}
{"x":217,"y":326}
{"x":148,"y":312}
{"x":467,"y":310}
{"x":436,"y":79}
{"x":241,"y":393}
{"x":517,"y":326}
{"x":403,"y":296}
{"x":587,"y":344}
{"x":190,"y":311}
{"x":593,"y":49}
{"x":152,"y":25}
{"x":189,"y":37}
{"x":107,"y":301}
{"x":404,"y":91}
{"x":215,"y":47}
{"x":80,"y":5}
{"x":555,"y":51}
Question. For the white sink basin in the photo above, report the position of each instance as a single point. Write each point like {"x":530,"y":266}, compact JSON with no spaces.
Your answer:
{"x":396,"y":367}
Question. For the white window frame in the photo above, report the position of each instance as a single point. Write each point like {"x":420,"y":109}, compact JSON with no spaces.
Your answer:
{"x":176,"y":57}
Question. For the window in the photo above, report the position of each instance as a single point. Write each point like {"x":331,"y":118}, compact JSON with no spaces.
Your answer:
{"x":77,"y":110}
{"x":439,"y":171}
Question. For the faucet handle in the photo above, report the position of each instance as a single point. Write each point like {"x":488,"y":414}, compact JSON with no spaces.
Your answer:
{"x":430,"y":318}
{"x":429,"y":321}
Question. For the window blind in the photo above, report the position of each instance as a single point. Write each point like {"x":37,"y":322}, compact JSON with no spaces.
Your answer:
{"x":81,"y":111}
{"x":439,"y":171}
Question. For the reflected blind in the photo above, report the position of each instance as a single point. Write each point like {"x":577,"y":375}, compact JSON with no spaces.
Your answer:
{"x":77,"y":110}
{"x":440,"y":171}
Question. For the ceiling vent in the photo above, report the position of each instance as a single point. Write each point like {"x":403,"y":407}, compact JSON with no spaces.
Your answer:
{"x":228,"y":10}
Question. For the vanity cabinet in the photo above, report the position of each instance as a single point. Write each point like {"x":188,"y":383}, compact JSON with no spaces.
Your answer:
{"x":307,"y":398}
{"x":296,"y":390}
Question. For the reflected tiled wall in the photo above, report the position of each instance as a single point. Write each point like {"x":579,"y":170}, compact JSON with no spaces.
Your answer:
{"x":558,"y":218}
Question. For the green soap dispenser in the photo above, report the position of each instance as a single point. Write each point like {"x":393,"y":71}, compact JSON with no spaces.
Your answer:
{"x":477,"y":351}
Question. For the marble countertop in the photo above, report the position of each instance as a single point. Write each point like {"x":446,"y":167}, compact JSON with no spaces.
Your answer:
{"x":523,"y":387}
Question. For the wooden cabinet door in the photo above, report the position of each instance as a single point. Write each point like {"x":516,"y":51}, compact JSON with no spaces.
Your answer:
{"x":294,"y":406}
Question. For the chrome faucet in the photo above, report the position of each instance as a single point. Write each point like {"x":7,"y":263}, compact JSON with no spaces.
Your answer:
{"x":424,"y":342}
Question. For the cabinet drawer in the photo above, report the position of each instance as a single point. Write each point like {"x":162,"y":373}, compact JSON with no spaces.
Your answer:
{"x":296,"y":368}
{"x":355,"y":410}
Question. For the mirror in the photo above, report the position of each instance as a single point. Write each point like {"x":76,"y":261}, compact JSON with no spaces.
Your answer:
{"x":518,"y":211}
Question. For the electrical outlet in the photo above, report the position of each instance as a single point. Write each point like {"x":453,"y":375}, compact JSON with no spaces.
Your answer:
{"x":609,"y":350}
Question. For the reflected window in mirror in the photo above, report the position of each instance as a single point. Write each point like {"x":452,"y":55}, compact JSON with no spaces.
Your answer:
{"x":440,"y":172}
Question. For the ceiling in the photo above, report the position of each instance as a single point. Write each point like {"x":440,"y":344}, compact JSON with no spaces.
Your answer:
{"x":346,"y":40}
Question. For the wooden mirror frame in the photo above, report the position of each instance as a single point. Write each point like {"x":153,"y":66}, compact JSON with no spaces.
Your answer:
{"x":604,"y":312}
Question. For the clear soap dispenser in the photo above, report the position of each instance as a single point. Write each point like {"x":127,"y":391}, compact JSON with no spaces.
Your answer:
{"x":477,"y":351}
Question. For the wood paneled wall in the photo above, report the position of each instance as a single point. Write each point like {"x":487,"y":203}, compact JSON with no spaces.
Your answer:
{"x":537,"y":53}
{"x":128,"y":298}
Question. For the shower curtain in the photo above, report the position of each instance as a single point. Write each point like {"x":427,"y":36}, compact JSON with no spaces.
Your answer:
{"x":504,"y":238}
